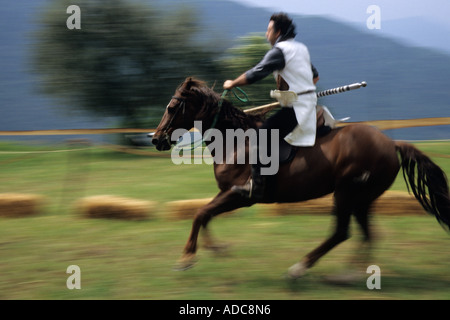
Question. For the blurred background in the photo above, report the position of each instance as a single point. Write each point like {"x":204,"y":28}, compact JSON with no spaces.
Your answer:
{"x":121,"y":68}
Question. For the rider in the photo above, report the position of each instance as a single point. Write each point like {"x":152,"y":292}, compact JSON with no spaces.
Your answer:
{"x":290,"y":63}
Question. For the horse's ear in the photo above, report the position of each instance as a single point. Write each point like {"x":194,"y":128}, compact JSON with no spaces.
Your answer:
{"x":188,"y":83}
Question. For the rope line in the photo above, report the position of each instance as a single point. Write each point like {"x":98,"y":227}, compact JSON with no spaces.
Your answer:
{"x":381,"y":124}
{"x":40,"y":152}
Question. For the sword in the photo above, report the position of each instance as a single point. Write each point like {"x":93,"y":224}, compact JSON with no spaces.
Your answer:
{"x":268,"y":107}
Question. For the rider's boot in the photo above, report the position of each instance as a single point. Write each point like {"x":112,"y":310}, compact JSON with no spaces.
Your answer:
{"x":254,"y":187}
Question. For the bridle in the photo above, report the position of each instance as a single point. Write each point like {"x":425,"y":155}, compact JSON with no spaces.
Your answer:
{"x":181,"y":105}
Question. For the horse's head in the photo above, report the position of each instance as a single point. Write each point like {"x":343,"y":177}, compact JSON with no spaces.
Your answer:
{"x":180,"y":113}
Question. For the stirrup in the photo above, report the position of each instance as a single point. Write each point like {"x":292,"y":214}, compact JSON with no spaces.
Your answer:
{"x":245,"y":190}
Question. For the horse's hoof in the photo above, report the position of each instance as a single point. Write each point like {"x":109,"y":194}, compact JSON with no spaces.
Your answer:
{"x":298,"y":270}
{"x":185,"y":263}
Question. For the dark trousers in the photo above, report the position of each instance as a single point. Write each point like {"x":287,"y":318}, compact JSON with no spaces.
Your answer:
{"x":283,"y":120}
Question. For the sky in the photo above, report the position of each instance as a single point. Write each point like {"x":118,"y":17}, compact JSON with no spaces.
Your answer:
{"x":356,"y":10}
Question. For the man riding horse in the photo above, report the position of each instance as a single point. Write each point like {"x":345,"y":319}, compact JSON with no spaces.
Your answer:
{"x":290,"y":62}
{"x":357,"y":163}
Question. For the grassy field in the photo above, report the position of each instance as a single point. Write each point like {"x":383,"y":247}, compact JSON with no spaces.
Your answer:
{"x":134,"y":259}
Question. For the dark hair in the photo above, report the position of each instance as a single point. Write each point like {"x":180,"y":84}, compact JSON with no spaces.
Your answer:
{"x":283,"y":23}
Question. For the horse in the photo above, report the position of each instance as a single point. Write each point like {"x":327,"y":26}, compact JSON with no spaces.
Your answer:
{"x":357,"y":162}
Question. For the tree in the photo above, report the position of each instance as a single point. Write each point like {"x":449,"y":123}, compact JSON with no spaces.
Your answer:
{"x":125,"y":61}
{"x":246,"y":54}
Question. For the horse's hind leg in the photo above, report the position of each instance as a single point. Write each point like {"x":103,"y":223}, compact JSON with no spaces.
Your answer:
{"x":362,"y":217}
{"x":223,"y":202}
{"x":359,"y":261}
{"x":342,"y":213}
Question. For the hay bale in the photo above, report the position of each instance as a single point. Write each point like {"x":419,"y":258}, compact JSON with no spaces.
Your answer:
{"x":20,"y":205}
{"x":397,"y":203}
{"x":323,"y":205}
{"x":107,"y":206}
{"x":390,"y":203}
{"x":186,"y":209}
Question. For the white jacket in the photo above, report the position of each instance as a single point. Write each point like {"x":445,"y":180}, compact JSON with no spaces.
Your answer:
{"x":297,"y":73}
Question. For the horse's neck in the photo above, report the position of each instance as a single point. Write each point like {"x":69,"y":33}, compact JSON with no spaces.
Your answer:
{"x":229,"y":121}
{"x":225,"y":136}
{"x":229,"y":147}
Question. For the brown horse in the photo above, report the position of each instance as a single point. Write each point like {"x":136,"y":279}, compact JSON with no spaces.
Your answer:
{"x":356,"y":162}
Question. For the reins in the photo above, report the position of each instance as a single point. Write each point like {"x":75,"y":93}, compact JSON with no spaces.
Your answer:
{"x":245,"y":99}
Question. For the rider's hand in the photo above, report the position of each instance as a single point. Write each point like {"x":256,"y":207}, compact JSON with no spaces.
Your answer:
{"x":227,"y":85}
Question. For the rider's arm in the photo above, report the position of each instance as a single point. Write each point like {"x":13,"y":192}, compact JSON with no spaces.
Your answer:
{"x":238,"y":82}
{"x":272,"y":61}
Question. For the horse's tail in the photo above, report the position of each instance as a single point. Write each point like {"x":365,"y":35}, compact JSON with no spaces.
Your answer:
{"x":427,"y":181}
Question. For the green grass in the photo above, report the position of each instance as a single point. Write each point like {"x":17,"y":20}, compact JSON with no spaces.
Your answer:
{"x":134,"y":260}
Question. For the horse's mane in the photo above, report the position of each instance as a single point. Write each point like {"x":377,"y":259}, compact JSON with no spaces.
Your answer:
{"x":230,"y":116}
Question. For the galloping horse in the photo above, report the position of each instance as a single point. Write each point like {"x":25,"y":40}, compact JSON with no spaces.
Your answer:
{"x":356,"y":162}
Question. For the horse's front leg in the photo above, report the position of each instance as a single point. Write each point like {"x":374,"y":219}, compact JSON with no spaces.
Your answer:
{"x":211,"y":244}
{"x":223,"y":202}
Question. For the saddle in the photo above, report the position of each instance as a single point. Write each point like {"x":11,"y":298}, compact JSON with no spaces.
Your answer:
{"x":287,"y":151}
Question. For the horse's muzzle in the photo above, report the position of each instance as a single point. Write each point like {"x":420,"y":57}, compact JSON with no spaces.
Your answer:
{"x":162,"y":143}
